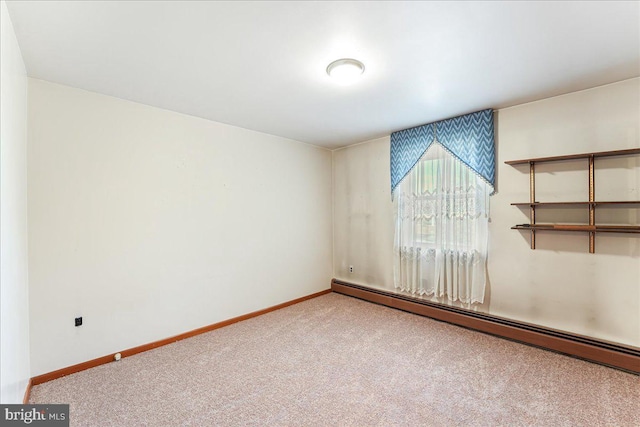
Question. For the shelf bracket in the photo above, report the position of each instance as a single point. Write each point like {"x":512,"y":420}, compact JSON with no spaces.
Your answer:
{"x":592,"y":206}
{"x":532,"y":200}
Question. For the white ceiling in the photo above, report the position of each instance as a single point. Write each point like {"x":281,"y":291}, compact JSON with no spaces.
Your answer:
{"x":261,"y":65}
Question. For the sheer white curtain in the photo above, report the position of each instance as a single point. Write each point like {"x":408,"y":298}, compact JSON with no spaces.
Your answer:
{"x":441,"y":237}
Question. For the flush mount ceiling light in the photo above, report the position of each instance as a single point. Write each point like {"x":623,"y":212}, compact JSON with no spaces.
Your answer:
{"x":346,"y":70}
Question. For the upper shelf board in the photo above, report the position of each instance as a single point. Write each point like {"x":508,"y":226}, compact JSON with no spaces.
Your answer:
{"x":620,"y":202}
{"x":628,"y":152}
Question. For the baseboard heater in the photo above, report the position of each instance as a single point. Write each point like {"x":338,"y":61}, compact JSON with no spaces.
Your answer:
{"x":598,"y":351}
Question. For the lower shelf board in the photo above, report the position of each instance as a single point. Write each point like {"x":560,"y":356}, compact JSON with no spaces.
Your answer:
{"x":577,"y":227}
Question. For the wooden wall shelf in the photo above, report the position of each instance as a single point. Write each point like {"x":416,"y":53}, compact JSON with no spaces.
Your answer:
{"x":579,"y":227}
{"x":592,"y":228}
{"x":629,"y":152}
{"x":542,"y":204}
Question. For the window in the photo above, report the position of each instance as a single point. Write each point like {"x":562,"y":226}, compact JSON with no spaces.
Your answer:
{"x":441,"y":229}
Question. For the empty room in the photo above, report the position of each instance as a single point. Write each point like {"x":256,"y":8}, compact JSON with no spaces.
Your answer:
{"x":320,"y":213}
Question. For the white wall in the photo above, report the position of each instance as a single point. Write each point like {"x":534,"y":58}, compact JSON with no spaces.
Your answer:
{"x":150,"y":223}
{"x":558,"y":285}
{"x":14,"y":289}
{"x":363,"y":214}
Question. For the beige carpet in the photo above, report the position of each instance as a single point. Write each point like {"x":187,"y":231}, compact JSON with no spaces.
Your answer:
{"x":336,"y":360}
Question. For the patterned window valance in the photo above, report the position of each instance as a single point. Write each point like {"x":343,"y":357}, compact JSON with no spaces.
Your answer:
{"x":469,"y":138}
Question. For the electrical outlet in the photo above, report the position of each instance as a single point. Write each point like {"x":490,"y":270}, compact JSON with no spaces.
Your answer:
{"x":78,"y":321}
{"x":351,"y":269}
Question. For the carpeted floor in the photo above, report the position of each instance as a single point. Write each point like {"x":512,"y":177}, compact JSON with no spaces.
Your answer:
{"x":336,"y":360}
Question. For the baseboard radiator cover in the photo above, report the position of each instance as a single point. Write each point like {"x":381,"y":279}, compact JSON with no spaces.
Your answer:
{"x":603,"y":352}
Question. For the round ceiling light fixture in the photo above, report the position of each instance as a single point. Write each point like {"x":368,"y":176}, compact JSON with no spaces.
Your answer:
{"x":345,"y":70}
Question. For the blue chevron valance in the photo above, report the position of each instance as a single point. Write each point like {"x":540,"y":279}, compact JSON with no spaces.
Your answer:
{"x":469,"y":138}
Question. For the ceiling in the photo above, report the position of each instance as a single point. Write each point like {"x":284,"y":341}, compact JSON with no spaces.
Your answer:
{"x":261,"y":65}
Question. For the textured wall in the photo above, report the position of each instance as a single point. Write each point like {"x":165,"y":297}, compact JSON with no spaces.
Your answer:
{"x":559,"y":285}
{"x":150,"y":223}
